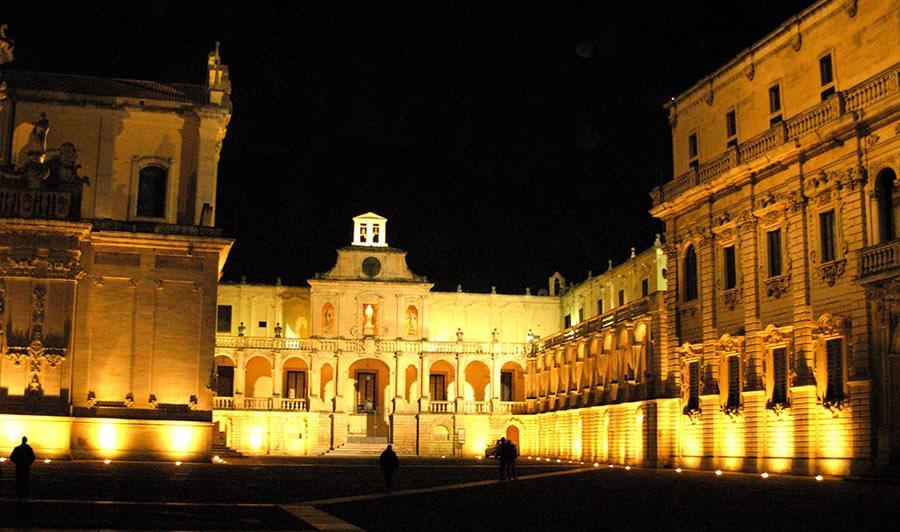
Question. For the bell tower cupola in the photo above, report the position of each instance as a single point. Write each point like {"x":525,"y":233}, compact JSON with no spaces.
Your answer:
{"x":370,"y":230}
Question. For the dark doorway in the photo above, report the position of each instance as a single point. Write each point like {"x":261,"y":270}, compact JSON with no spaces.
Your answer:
{"x":225,"y":381}
{"x":366,"y":393}
{"x":884,"y":192}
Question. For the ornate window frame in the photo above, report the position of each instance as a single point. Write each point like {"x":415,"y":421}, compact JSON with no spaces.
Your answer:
{"x":730,"y":347}
{"x":690,"y":354}
{"x":771,"y":215}
{"x":826,"y":195}
{"x":830,"y":328}
{"x":726,"y":236}
{"x":777,"y":338}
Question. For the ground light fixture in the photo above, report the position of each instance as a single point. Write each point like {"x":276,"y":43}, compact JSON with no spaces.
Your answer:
{"x":611,"y":466}
{"x":178,"y":463}
{"x":47,"y":460}
{"x":2,"y":459}
{"x":558,"y":461}
{"x":718,"y":472}
{"x":678,"y":470}
{"x":819,"y":478}
{"x":596,"y":464}
{"x":765,"y":475}
{"x":107,"y":461}
{"x":628,"y":468}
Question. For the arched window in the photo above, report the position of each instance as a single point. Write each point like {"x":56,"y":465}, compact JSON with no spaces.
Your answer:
{"x":151,"y":196}
{"x":690,"y":274}
{"x":884,"y":192}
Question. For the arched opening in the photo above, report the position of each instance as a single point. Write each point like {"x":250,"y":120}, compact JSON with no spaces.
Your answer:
{"x":258,"y":378}
{"x":371,"y":379}
{"x":412,"y":382}
{"x":690,"y":274}
{"x":295,"y":375}
{"x":512,"y":434}
{"x":478,"y":381}
{"x":512,"y":382}
{"x":326,"y":382}
{"x":441,"y":378}
{"x":884,"y":193}
{"x":328,"y":319}
{"x":412,"y":321}
{"x":224,"y":376}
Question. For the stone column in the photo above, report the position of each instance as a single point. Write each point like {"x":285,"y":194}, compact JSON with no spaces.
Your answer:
{"x":338,"y":383}
{"x":798,"y":251}
{"x":673,"y":363}
{"x":239,"y":373}
{"x":424,"y":378}
{"x":460,"y":388}
{"x":315,"y":383}
{"x":277,"y":374}
{"x":749,"y":281}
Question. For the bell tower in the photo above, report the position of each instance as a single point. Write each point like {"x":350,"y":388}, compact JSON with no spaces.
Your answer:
{"x":370,"y":230}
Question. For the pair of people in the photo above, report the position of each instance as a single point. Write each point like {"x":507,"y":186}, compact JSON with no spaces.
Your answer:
{"x":507,"y":452}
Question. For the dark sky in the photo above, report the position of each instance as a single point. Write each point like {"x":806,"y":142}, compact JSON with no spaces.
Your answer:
{"x":503,"y":141}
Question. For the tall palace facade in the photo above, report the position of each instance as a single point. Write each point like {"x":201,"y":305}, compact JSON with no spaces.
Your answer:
{"x":756,"y":335}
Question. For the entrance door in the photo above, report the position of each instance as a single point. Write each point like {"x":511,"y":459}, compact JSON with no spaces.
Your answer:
{"x":367,"y":400}
{"x":225,"y":381}
{"x":295,"y":385}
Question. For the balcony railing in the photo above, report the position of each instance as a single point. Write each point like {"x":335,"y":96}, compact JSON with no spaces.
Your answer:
{"x":441,"y":407}
{"x":600,"y":322}
{"x":875,"y":89}
{"x":511,"y":407}
{"x":259,"y":403}
{"x":477,"y":407}
{"x":332,"y":345}
{"x":879,"y":258}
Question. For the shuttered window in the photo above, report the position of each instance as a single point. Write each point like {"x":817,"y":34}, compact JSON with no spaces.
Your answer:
{"x":734,"y":382}
{"x":694,"y":386}
{"x":834,"y":351}
{"x":779,"y":373}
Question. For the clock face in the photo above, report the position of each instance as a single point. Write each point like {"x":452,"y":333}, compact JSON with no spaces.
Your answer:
{"x":371,"y":266}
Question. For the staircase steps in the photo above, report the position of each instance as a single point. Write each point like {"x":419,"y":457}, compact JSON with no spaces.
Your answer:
{"x":359,"y":446}
{"x":224,"y":452}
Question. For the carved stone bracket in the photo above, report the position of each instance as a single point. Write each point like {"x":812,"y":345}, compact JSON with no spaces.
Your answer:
{"x":832,"y":271}
{"x":731,"y":297}
{"x":777,"y":286}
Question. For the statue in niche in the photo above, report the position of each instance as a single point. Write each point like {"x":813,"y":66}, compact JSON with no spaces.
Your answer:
{"x":328,"y":320}
{"x":63,"y":176}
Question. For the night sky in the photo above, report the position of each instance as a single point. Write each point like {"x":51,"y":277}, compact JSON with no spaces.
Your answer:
{"x":503,"y":141}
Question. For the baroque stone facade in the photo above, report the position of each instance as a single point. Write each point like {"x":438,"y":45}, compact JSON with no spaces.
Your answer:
{"x":109,"y":262}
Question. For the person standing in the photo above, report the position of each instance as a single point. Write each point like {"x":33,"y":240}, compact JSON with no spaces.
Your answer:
{"x":511,"y":460}
{"x":389,"y":464}
{"x":502,"y":453}
{"x":23,"y":457}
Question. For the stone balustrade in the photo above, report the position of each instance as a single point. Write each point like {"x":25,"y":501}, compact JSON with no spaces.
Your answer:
{"x":383,"y":346}
{"x":880,"y":258}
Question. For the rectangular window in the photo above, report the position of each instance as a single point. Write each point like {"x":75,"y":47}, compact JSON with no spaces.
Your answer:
{"x":645,"y":287}
{"x":826,"y":76}
{"x":834,"y":352}
{"x":734,"y":382}
{"x":774,"y":104}
{"x":295,"y":385}
{"x":693,"y":386}
{"x":775,"y":99}
{"x":223,"y":318}
{"x":779,"y":375}
{"x":826,"y":234}
{"x":731,"y":128}
{"x":580,"y":315}
{"x":262,"y":325}
{"x":774,"y":242}
{"x":599,"y":306}
{"x":621,"y":297}
{"x":567,"y":321}
{"x":437,"y":386}
{"x":506,"y":386}
{"x":730,"y":268}
{"x":151,"y":197}
{"x":692,"y":146}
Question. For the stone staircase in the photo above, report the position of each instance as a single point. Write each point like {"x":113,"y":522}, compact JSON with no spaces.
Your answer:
{"x":224,"y":452}
{"x":360,"y":446}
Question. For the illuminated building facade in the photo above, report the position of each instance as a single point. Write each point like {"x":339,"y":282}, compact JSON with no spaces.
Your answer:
{"x":109,"y":262}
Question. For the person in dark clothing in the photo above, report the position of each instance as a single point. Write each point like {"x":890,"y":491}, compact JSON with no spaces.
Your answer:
{"x":23,"y":457}
{"x":513,"y":453}
{"x":502,"y":454}
{"x":389,"y":464}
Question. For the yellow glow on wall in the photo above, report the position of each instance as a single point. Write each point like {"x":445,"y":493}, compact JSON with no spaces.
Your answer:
{"x":732,"y":437}
{"x":108,"y":437}
{"x":255,"y":438}
{"x":48,"y":435}
{"x":181,"y":439}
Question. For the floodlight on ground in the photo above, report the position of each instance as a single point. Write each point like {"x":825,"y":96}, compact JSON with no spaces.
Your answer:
{"x":820,"y":478}
{"x":178,"y":463}
{"x":596,"y":464}
{"x":678,"y":470}
{"x":47,"y":460}
{"x":718,"y":472}
{"x":628,"y":468}
{"x":107,"y":461}
{"x":765,"y":475}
